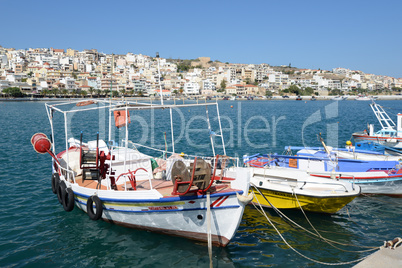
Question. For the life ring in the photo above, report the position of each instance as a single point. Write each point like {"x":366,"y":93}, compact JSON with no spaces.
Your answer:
{"x":55,"y":182}
{"x":61,"y":189}
{"x":90,"y":209}
{"x":68,"y":199}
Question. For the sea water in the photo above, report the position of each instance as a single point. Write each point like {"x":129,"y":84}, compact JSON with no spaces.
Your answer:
{"x":35,"y":231}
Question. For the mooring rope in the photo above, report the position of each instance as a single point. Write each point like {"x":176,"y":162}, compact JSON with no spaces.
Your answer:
{"x":282,"y":215}
{"x":328,"y":241}
{"x":285,"y":241}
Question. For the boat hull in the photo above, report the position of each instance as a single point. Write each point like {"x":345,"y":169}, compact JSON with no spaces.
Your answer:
{"x":286,"y":200}
{"x":178,"y":216}
{"x":284,"y":188}
{"x":395,"y":142}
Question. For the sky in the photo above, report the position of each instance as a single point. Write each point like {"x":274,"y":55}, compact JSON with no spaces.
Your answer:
{"x":353,"y":34}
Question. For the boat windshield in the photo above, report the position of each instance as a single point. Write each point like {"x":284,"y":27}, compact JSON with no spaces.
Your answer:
{"x":386,"y":133}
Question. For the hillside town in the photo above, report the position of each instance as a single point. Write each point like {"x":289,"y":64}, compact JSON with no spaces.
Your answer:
{"x":39,"y":72}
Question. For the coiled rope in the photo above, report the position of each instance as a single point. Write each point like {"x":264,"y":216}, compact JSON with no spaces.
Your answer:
{"x":261,"y":210}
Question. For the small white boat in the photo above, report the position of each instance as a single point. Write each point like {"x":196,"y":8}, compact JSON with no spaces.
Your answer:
{"x":374,"y":177}
{"x":201,"y":198}
{"x":363,"y":98}
{"x":285,"y":188}
{"x":340,"y":98}
{"x":390,"y":133}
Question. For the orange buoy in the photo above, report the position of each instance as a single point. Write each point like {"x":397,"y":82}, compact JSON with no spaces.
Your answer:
{"x":231,"y":106}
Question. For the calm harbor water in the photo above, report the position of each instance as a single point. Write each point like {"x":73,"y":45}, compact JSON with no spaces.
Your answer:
{"x":35,"y":231}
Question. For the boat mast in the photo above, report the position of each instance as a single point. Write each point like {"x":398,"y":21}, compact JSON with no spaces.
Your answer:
{"x":110,"y":98}
{"x":385,"y":121}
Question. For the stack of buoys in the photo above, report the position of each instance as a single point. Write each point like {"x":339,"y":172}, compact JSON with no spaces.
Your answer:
{"x":40,"y":143}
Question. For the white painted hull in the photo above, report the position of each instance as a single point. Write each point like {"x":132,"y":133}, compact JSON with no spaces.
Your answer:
{"x":395,"y":142}
{"x":184,"y":216}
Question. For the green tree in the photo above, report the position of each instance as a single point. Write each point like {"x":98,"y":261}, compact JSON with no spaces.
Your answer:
{"x":91,"y":91}
{"x":55,"y":91}
{"x":308,"y":91}
{"x":64,"y":92}
{"x":294,"y":89}
{"x":335,"y":92}
{"x":83,"y":93}
{"x":44,"y":92}
{"x":223,"y":85}
{"x":14,"y":92}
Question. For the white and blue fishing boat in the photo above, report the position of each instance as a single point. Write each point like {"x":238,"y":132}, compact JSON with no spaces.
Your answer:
{"x":390,"y":133}
{"x":113,"y":178}
{"x":374,"y":177}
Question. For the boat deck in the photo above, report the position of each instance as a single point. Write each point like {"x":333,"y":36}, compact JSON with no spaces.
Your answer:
{"x":164,"y":187}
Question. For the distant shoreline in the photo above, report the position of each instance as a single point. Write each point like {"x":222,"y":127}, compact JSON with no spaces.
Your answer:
{"x":274,"y":98}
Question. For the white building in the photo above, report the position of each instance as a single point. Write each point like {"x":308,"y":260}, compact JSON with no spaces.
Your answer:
{"x":191,"y":88}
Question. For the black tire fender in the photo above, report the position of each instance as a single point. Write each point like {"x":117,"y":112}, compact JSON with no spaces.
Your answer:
{"x":61,"y":191}
{"x":90,"y":209}
{"x":55,"y":182}
{"x":68,"y":200}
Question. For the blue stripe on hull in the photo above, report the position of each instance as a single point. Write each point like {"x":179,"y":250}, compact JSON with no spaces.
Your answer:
{"x":162,"y":200}
{"x":166,"y":210}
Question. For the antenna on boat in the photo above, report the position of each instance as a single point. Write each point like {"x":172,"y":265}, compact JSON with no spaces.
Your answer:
{"x":159,"y":76}
{"x":323,"y":144}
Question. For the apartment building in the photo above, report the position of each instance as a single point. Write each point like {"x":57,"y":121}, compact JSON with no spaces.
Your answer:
{"x":191,"y":88}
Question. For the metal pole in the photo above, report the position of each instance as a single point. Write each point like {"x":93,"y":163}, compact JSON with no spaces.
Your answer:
{"x":210,"y":132}
{"x":171,"y":128}
{"x":65,"y":130}
{"x":220,"y":129}
{"x":126,"y":140}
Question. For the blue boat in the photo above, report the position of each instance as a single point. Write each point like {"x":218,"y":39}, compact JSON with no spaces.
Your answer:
{"x":374,"y":177}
